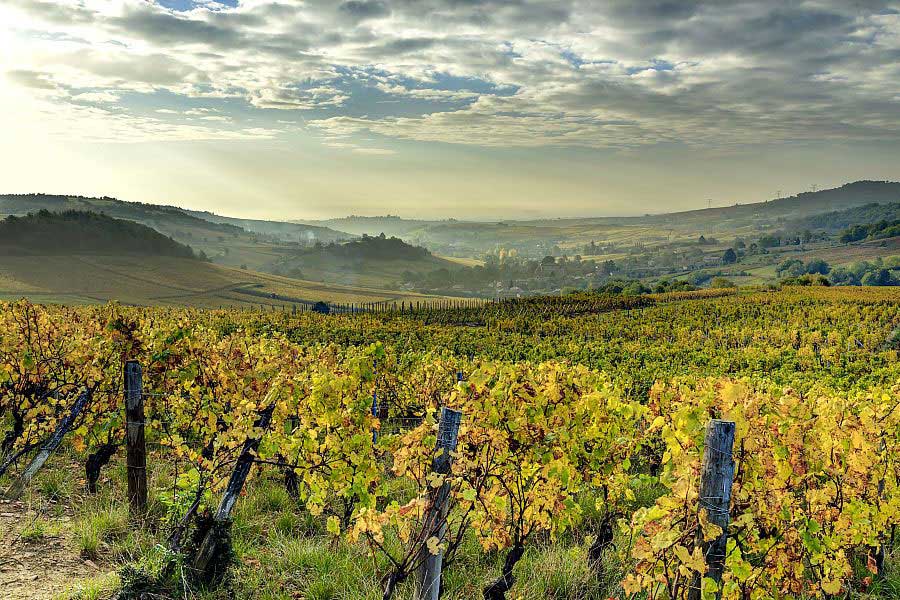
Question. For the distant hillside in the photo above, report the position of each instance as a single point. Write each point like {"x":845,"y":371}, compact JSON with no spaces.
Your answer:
{"x":83,"y":232}
{"x":388,"y":224}
{"x":801,"y":205}
{"x":858,"y":215}
{"x":160,"y":280}
{"x":537,"y":237}
{"x":152,"y":215}
{"x":223,"y":241}
{"x":374,"y":248}
{"x":284,"y":231}
{"x":371,"y":260}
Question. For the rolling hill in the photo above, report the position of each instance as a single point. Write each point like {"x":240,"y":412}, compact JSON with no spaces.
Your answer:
{"x":87,"y":257}
{"x":279,"y":230}
{"x":222,"y":239}
{"x":387,"y":224}
{"x":370,"y":261}
{"x":82,"y":232}
{"x":544,"y":236}
{"x":434,"y":255}
{"x":87,"y":279}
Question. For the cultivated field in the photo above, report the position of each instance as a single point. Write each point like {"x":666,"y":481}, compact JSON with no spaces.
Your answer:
{"x":92,"y":279}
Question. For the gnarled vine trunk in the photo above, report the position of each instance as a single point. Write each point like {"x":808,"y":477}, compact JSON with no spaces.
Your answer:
{"x":95,"y":462}
{"x":498,"y":588}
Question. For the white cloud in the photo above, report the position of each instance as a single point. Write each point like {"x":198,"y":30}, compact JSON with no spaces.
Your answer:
{"x":105,"y":96}
{"x":374,"y":151}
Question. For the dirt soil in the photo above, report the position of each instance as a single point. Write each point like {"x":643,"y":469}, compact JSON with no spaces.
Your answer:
{"x":45,"y":569}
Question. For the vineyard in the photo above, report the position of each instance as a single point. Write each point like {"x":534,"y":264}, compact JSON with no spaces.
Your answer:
{"x":542,"y":448}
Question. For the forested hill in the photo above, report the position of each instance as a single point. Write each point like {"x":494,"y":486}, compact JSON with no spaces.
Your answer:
{"x":378,"y":248}
{"x":83,"y":232}
{"x":153,"y":215}
{"x":858,"y":215}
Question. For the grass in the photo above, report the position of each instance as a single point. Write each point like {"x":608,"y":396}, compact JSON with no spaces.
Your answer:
{"x":55,"y":484}
{"x":100,"y":526}
{"x":36,"y":530}
{"x":100,"y":587}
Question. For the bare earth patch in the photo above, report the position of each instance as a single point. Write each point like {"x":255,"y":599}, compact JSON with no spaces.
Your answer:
{"x":38,"y":569}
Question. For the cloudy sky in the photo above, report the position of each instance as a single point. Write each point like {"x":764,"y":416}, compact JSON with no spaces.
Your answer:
{"x":438,"y":108}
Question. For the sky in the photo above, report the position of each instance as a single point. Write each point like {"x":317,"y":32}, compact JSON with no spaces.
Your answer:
{"x":471,"y":109}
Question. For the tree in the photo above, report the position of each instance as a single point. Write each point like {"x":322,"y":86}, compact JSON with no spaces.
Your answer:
{"x":844,"y":276}
{"x":729,"y":257}
{"x":880,"y":277}
{"x":791,"y":267}
{"x":769,"y":241}
{"x":721,"y":282}
{"x":817,"y":266}
{"x":608,"y":267}
{"x":548,"y":260}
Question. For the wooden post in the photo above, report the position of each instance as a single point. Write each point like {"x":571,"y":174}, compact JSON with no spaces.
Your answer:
{"x":375,"y":399}
{"x":716,"y":477}
{"x":210,"y":548}
{"x":135,"y":448}
{"x":436,"y":516}
{"x":62,"y":428}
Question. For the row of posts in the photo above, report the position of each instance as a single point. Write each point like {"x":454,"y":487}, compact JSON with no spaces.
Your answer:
{"x":392,"y":307}
{"x":716,"y":478}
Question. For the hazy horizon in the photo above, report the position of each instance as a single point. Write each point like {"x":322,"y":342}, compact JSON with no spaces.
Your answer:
{"x":477,"y":110}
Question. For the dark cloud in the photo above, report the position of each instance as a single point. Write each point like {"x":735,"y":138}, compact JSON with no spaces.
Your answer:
{"x":360,"y":10}
{"x":166,"y":28}
{"x":400,"y":47}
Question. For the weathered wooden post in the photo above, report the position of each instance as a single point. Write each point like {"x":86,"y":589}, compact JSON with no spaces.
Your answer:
{"x":375,"y":399}
{"x":716,"y":477}
{"x":205,"y":561}
{"x":436,"y":516}
{"x":135,"y":447}
{"x":62,"y":428}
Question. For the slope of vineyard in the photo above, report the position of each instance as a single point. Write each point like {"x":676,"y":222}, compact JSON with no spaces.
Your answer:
{"x":160,"y":280}
{"x":575,"y":474}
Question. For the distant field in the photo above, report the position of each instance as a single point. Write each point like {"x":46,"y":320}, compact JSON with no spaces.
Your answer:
{"x":166,"y":281}
{"x":368,"y":272}
{"x":856,"y":252}
{"x":603,"y":257}
{"x":466,"y":262}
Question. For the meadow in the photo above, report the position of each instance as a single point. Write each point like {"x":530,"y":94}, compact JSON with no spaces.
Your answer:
{"x":576,"y":469}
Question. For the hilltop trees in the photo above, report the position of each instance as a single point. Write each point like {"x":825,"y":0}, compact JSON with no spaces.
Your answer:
{"x":74,"y":232}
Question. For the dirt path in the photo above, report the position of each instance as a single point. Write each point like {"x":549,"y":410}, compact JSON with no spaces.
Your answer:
{"x":38,"y":567}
